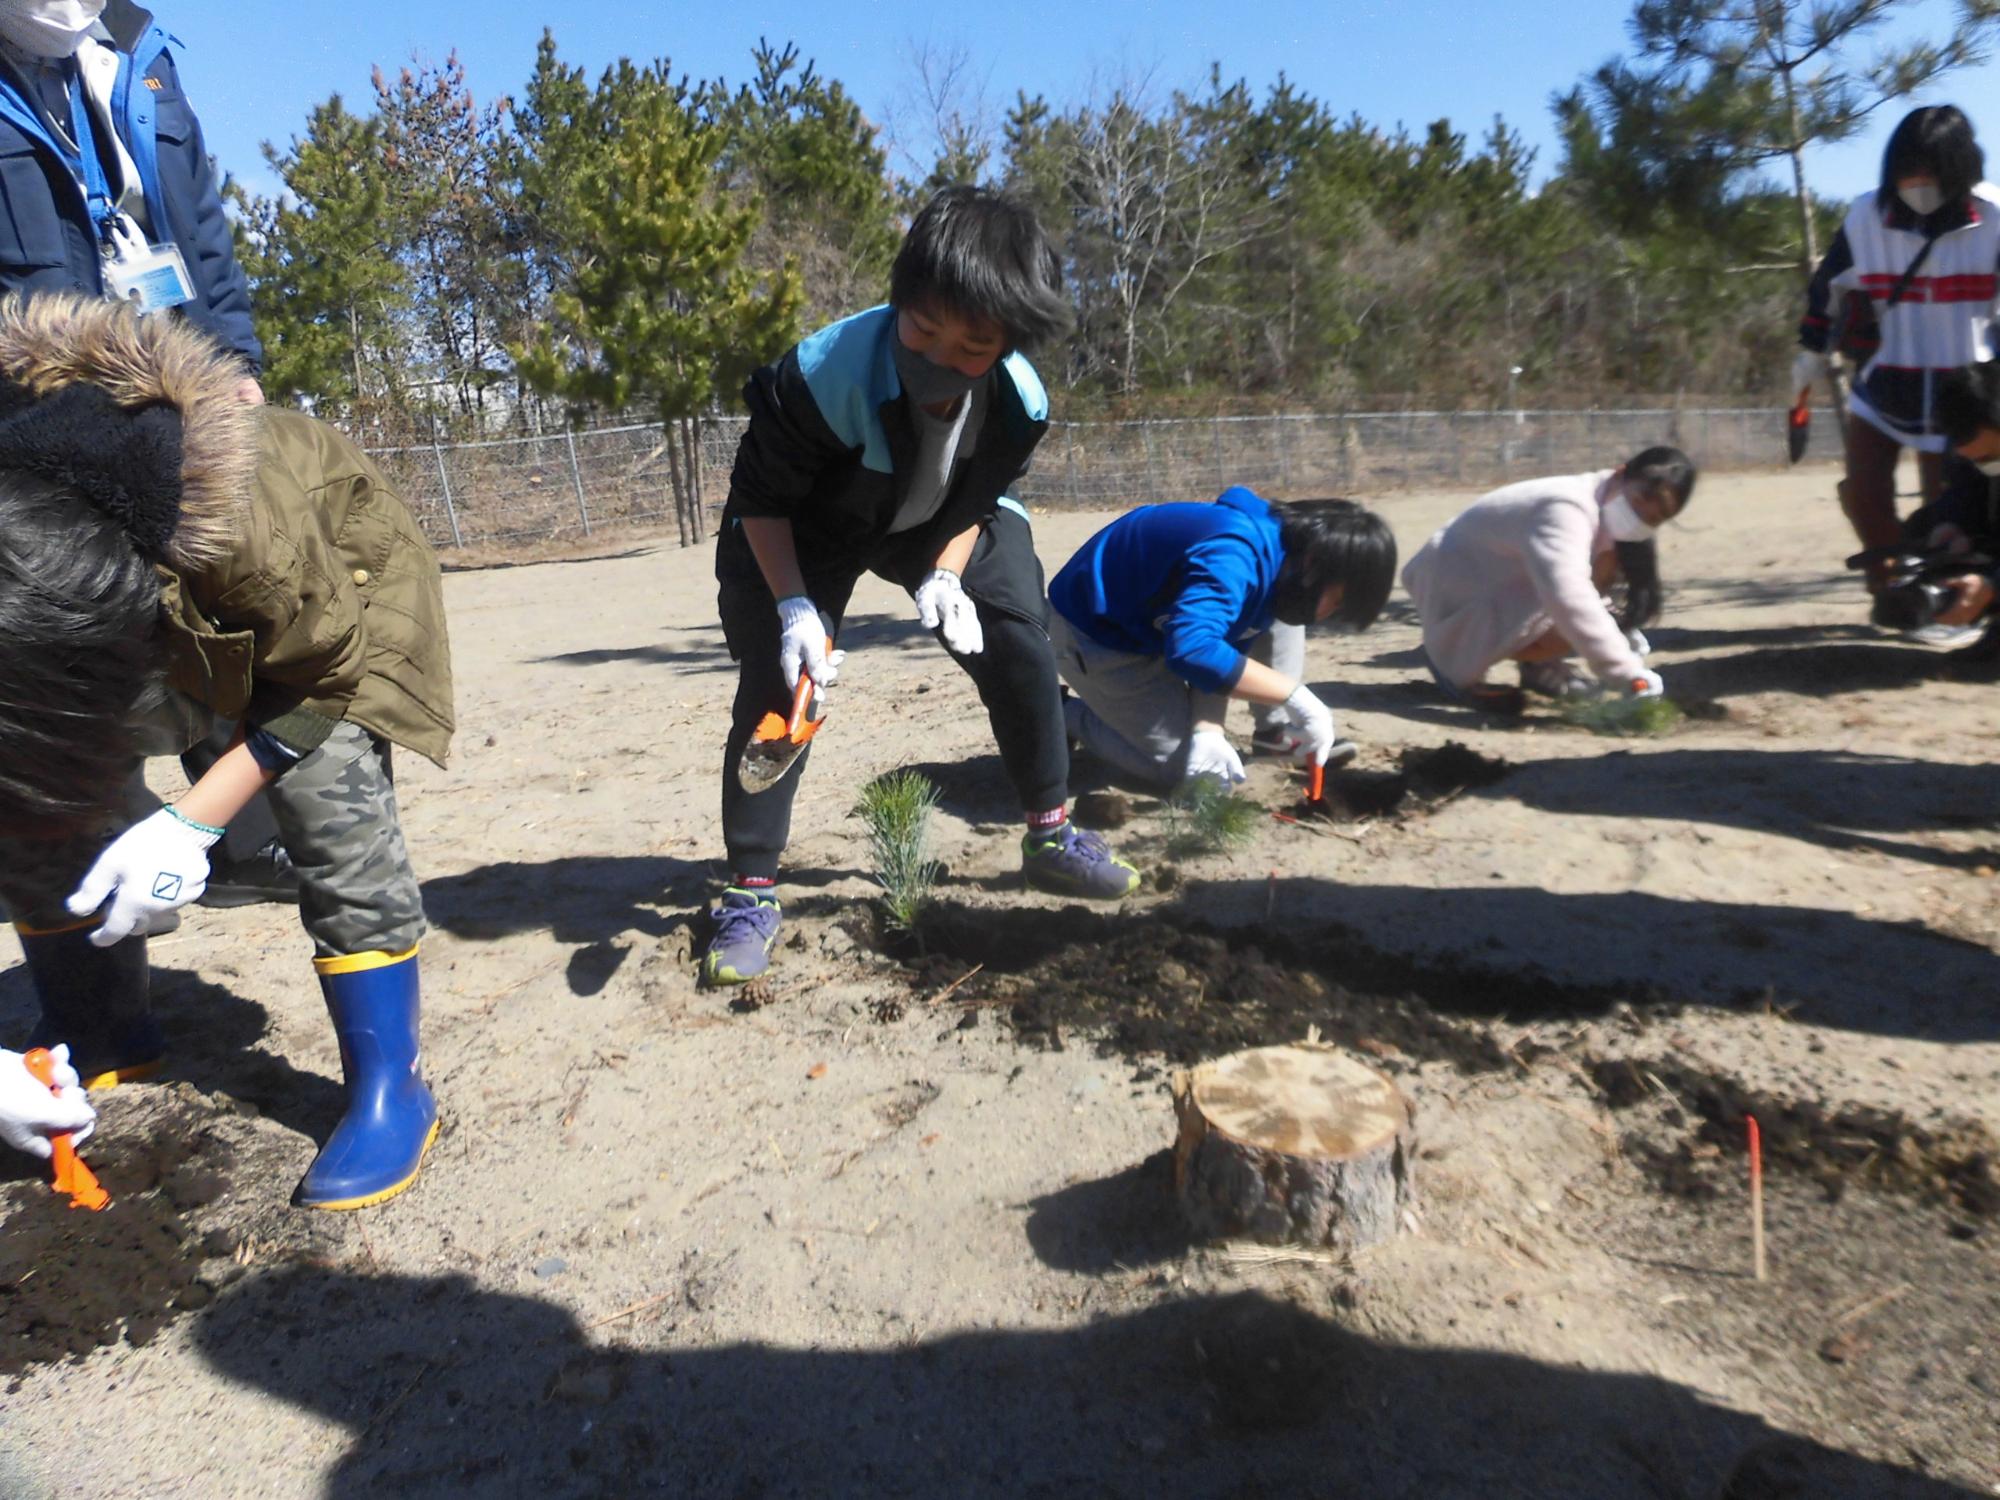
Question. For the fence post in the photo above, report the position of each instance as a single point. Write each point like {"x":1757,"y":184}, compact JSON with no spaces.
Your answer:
{"x":1069,"y":457}
{"x":1215,"y":449}
{"x":450,"y":510}
{"x":1284,"y":457}
{"x":1152,"y":466}
{"x":576,"y":478}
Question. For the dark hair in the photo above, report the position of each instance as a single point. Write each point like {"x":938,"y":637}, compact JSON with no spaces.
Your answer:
{"x":1968,"y":400}
{"x":1663,"y":468}
{"x":982,"y":254}
{"x":1936,"y":139}
{"x":1639,"y":562}
{"x":79,"y":615}
{"x":1333,"y":541}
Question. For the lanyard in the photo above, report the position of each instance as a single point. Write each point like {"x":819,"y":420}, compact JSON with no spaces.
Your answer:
{"x":96,"y":185}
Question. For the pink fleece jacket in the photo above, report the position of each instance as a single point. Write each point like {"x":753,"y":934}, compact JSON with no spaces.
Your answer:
{"x":1517,"y":562}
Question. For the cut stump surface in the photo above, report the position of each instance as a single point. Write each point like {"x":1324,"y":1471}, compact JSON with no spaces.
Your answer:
{"x":1302,"y":1144}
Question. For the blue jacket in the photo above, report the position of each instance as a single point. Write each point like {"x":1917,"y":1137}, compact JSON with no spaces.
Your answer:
{"x":1191,"y":583}
{"x":46,"y":238}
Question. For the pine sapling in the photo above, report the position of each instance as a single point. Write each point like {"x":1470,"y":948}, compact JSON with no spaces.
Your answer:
{"x":897,"y":809}
{"x":1636,"y":718}
{"x":1203,"y":818}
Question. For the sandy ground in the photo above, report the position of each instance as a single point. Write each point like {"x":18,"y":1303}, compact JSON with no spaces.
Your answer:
{"x":851,"y":1242}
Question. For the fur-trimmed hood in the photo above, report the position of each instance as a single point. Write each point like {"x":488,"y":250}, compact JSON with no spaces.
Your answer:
{"x":138,"y":415}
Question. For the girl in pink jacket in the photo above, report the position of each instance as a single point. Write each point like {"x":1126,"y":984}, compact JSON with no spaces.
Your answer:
{"x":1520,"y":575}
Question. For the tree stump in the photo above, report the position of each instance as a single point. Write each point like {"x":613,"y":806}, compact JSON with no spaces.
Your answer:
{"x":1302,"y":1144}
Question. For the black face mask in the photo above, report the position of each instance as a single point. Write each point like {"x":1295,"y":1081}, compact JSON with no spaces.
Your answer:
{"x":928,"y":384}
{"x":1295,"y":601}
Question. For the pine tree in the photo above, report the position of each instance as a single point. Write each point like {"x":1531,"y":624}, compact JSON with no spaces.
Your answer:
{"x":653,"y":300}
{"x":327,"y":289}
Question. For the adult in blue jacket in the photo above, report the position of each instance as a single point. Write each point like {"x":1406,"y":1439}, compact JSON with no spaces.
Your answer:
{"x":1172,"y":610}
{"x":76,"y":73}
{"x":84,"y":73}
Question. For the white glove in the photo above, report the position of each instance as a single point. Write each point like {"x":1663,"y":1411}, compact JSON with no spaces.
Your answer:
{"x":1210,"y":754}
{"x":151,"y":869}
{"x":1314,"y":721}
{"x":1807,"y":366}
{"x":31,"y":1113}
{"x":1645,"y":685}
{"x":1636,"y":639}
{"x":942,"y":603}
{"x":803,"y":644}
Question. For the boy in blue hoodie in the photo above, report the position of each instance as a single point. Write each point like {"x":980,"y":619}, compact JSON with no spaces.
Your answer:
{"x":1172,"y":610}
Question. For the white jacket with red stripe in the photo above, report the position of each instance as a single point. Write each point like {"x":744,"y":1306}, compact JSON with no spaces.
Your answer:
{"x":1944,"y":318}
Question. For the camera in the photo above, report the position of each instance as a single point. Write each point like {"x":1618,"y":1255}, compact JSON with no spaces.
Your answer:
{"x":1917,"y":588}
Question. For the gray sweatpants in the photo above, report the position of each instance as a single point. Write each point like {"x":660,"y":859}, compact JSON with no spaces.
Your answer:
{"x":1135,"y":715}
{"x":337,"y":818}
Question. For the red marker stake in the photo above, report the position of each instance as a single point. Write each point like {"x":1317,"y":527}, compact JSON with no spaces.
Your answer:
{"x":1756,"y":1196}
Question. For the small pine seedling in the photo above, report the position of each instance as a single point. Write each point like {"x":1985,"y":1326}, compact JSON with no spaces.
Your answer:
{"x":1203,"y":818}
{"x":1629,"y":717}
{"x":897,"y":809}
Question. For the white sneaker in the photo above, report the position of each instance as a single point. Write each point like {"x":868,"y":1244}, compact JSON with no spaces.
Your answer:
{"x":1947,"y":635}
{"x":1561,"y":679}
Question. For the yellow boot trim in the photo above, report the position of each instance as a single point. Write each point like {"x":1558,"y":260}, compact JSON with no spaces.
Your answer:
{"x":359,"y":963}
{"x":110,"y":1078}
{"x":26,"y":931}
{"x":369,"y":1200}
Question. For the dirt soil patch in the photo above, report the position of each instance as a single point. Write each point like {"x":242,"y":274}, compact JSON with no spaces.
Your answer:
{"x":1694,"y":1140}
{"x":71,"y":1280}
{"x":1424,"y":778}
{"x":1168,"y":985}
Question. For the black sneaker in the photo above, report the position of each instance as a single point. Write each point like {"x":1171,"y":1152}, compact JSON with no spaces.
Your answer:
{"x":266,"y":875}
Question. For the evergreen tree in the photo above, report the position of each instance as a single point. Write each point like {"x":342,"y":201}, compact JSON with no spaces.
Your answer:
{"x":327,"y":287}
{"x":654,"y":300}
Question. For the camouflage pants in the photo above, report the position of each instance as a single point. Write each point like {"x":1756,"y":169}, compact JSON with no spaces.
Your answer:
{"x":336,"y":814}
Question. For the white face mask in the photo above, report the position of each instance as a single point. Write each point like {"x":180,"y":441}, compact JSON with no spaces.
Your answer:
{"x":48,"y":28}
{"x":1990,"y":467}
{"x":1624,"y":522}
{"x":1922,"y":199}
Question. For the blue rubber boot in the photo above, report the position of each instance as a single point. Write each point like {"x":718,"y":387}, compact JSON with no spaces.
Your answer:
{"x":97,"y":1000}
{"x":375,"y":1151}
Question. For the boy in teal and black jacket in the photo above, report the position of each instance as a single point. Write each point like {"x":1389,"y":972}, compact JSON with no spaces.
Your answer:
{"x":889,"y":443}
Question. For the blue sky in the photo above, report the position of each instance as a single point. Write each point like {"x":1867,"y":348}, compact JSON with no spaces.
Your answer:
{"x":254,"y":67}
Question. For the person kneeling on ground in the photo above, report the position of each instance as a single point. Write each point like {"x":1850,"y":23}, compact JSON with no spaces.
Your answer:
{"x":170,"y":555}
{"x":888,"y":443}
{"x":1964,"y":521}
{"x":1520,"y":575}
{"x":1172,"y":610}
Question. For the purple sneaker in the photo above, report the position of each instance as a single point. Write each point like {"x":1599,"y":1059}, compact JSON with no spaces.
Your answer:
{"x":746,"y":925}
{"x":1071,"y":862}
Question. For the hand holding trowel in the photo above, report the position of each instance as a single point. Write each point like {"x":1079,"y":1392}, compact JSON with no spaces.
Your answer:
{"x":1809,"y":365}
{"x":780,"y":740}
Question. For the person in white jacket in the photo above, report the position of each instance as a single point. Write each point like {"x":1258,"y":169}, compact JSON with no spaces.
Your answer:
{"x":1520,"y":576}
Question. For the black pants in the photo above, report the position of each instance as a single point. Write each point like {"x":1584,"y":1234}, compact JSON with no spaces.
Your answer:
{"x":1015,"y":674}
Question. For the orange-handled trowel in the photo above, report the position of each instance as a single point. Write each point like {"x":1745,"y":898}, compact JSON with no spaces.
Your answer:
{"x":780,"y":741}
{"x":72,"y":1176}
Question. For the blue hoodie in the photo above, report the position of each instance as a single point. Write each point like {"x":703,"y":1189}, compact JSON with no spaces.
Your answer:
{"x":1190,"y":583}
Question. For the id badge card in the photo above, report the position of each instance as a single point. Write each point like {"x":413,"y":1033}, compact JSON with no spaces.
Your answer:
{"x":152,"y":280}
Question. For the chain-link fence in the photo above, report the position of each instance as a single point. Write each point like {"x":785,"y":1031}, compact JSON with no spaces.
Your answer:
{"x":565,"y":486}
